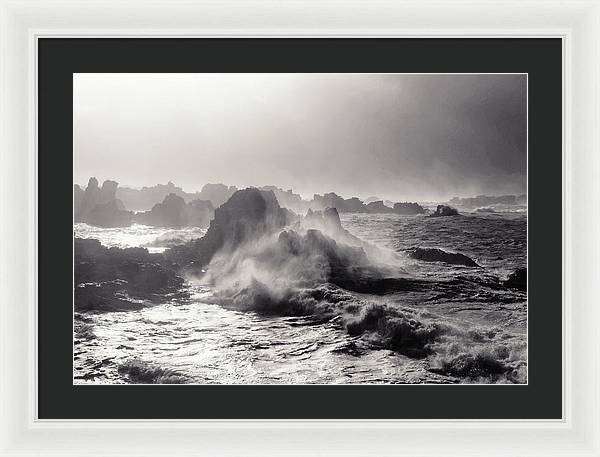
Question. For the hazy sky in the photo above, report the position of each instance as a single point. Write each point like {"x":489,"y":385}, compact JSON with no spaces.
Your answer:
{"x":402,"y":137}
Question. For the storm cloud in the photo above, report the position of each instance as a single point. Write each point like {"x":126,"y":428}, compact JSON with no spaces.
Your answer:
{"x":396,"y":136}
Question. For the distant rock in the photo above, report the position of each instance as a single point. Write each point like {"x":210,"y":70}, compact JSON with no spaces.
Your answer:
{"x":517,"y":279}
{"x":109,"y":214}
{"x":328,"y":222}
{"x":145,"y":198}
{"x":377,"y":207}
{"x":485,"y":210}
{"x":217,"y":194}
{"x":99,"y":206}
{"x":199,"y":213}
{"x":114,"y":279}
{"x":355,"y":205}
{"x":332,"y":200}
{"x":174,"y":212}
{"x":408,"y":208}
{"x":288,"y":199}
{"x":438,"y":255}
{"x":371,"y":199}
{"x":443,"y":210}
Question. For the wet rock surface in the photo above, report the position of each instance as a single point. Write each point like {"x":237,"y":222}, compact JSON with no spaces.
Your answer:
{"x":111,"y":279}
{"x":444,"y":210}
{"x":517,"y":279}
{"x":438,"y":255}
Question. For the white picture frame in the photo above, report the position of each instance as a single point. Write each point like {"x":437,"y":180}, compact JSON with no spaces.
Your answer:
{"x":22,"y":22}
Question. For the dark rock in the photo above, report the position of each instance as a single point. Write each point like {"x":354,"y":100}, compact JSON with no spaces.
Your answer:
{"x":111,"y":279}
{"x":437,"y":255}
{"x":145,"y":198}
{"x":248,"y":214}
{"x":408,"y":208}
{"x":99,"y":206}
{"x":332,"y":200}
{"x":174,"y":212}
{"x":517,"y":279}
{"x":443,"y":210}
{"x":378,"y":207}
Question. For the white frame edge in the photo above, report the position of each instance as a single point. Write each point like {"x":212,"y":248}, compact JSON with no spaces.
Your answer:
{"x":23,"y":21}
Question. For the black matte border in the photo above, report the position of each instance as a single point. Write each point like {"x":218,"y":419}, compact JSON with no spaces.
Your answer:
{"x":59,"y":58}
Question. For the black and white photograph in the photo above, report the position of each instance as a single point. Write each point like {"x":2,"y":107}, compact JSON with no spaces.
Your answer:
{"x":300,"y":228}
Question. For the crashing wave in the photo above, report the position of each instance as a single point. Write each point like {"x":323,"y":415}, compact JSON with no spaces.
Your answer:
{"x":140,"y":372}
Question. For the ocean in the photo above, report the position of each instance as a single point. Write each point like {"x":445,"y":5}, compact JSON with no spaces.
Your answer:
{"x":480,"y":327}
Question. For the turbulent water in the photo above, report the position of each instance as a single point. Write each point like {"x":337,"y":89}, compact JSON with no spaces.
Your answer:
{"x":483,"y":337}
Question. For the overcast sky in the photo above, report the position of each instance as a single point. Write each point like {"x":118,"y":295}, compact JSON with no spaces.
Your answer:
{"x":400,"y":137}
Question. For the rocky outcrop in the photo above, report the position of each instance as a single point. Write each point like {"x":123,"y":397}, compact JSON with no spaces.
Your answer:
{"x":444,"y":210}
{"x":109,"y":214}
{"x":355,"y":205}
{"x":174,"y":212}
{"x":377,"y":207}
{"x":437,"y":255}
{"x":517,"y":279}
{"x":408,"y":208}
{"x":217,"y":194}
{"x":288,"y":199}
{"x":328,"y":222}
{"x":248,"y":214}
{"x":145,"y":198}
{"x":99,"y":205}
{"x":332,"y":200}
{"x":114,"y":279}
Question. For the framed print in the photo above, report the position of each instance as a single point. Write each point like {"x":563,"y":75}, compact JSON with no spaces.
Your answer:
{"x":365,"y":235}
{"x":373,"y":239}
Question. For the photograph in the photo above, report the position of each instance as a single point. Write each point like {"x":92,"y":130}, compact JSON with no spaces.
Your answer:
{"x":300,"y":228}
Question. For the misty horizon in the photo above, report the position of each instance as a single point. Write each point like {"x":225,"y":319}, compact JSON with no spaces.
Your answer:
{"x":306,"y":197}
{"x":401,"y":137}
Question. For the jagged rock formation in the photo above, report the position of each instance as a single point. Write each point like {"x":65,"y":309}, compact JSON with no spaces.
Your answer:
{"x":443,"y":210}
{"x":354,"y":205}
{"x":408,"y":208}
{"x":377,"y":207}
{"x":248,"y":214}
{"x":437,"y":255}
{"x":174,"y":212}
{"x":114,"y":279}
{"x":328,"y":222}
{"x":288,"y":199}
{"x":217,"y":194}
{"x":145,"y":198}
{"x":517,"y":279}
{"x":332,"y":200}
{"x":99,"y":206}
